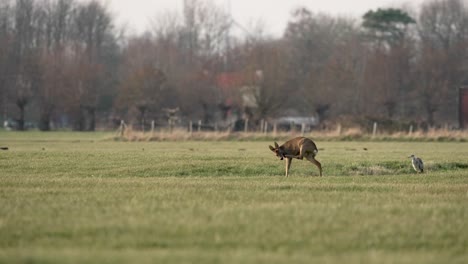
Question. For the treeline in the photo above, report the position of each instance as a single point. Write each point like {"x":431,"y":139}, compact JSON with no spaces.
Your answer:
{"x":65,"y":62}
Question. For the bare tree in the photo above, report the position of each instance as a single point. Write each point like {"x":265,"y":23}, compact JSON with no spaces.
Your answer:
{"x":6,"y":46}
{"x":266,"y":70}
{"x":166,"y":29}
{"x":61,"y":58}
{"x":142,"y":81}
{"x":319,"y":47}
{"x":432,"y":84}
{"x":204,"y":29}
{"x":443,"y":24}
{"x":191,"y":49}
{"x":56,"y":26}
{"x":92,"y":35}
{"x":24,"y":65}
{"x":24,"y":94}
{"x":443,"y":29}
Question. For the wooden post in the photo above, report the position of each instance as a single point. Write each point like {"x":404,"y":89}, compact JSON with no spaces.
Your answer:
{"x":410,"y":130}
{"x":374,"y":130}
{"x":275,"y":129}
{"x":190,"y":128}
{"x":246,"y":125}
{"x":303,"y":127}
{"x":171,"y":125}
{"x":152,"y":128}
{"x":122,"y":128}
{"x":262,"y":124}
{"x":199,"y":126}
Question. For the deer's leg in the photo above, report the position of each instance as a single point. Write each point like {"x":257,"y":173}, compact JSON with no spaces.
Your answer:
{"x":315,"y":162}
{"x":288,"y":165}
{"x":300,"y":156}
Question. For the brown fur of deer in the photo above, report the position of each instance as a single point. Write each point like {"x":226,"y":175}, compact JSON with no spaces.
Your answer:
{"x":297,"y":148}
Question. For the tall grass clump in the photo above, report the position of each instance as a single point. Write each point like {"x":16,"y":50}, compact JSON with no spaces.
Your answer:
{"x":348,"y":134}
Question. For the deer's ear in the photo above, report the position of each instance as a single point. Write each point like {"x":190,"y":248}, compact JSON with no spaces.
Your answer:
{"x":272,"y":148}
{"x":276,"y":145}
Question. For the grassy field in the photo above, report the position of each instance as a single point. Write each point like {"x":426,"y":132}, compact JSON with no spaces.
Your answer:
{"x":82,"y":198}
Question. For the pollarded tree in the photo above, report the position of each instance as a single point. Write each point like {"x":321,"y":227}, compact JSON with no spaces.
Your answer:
{"x":24,"y":74}
{"x":190,"y":49}
{"x":93,"y":39}
{"x":267,"y":71}
{"x":142,"y":90}
{"x":24,"y":95}
{"x":56,"y":17}
{"x":142,"y":82}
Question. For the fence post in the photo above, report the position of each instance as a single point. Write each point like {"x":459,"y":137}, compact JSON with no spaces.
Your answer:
{"x":199,"y":126}
{"x":374,"y":130}
{"x":246,"y":125}
{"x":265,"y":128}
{"x":122,"y":128}
{"x":303,"y":126}
{"x":262,"y":124}
{"x":275,"y":129}
{"x":171,"y":125}
{"x":410,"y":130}
{"x":152,"y":128}
{"x":190,"y":128}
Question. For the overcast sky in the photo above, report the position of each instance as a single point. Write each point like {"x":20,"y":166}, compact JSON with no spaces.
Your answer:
{"x":274,"y":14}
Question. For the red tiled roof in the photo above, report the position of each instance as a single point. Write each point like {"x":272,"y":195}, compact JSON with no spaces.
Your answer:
{"x":230,"y":80}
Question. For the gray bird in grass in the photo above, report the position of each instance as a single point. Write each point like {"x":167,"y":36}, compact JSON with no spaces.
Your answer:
{"x":418,"y":164}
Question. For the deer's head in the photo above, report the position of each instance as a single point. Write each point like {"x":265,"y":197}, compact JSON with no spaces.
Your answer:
{"x":278,"y":151}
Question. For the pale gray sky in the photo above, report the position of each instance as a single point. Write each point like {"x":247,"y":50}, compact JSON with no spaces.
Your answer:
{"x":274,"y":14}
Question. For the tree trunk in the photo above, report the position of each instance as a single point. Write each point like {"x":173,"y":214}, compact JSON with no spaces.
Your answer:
{"x":92,"y":119}
{"x":430,"y":110}
{"x":322,"y":111}
{"x":80,"y":120}
{"x":44,"y":122}
{"x":390,"y":106}
{"x":21,"y":103}
{"x":21,"y":118}
{"x":430,"y":118}
{"x":206,"y":113}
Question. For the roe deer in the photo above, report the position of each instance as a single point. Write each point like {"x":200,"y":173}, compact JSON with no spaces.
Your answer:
{"x":297,"y":148}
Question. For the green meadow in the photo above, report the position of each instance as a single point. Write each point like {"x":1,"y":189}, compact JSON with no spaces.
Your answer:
{"x":85,"y":198}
